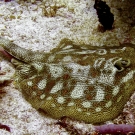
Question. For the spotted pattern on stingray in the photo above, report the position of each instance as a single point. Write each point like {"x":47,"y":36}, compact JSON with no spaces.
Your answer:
{"x":78,"y":81}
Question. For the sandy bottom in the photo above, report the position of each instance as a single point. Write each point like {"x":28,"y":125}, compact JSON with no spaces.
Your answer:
{"x":28,"y":28}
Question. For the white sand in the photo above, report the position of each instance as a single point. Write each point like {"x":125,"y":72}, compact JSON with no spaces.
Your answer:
{"x":25,"y":25}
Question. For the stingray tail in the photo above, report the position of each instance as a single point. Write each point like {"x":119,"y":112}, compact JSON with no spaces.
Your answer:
{"x":14,"y":51}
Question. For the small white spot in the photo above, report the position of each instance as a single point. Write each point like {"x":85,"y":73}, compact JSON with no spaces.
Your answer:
{"x":55,"y":70}
{"x":117,"y":50}
{"x":88,"y":113}
{"x":79,"y":110}
{"x":115,"y":90}
{"x":98,"y":62}
{"x":53,"y":105}
{"x":29,"y":83}
{"x":101,"y":51}
{"x":51,"y":58}
{"x":60,"y":100}
{"x":71,"y":104}
{"x":49,"y":98}
{"x":42,"y":84}
{"x":83,"y":52}
{"x":86,"y":104}
{"x":42,"y":96}
{"x":98,"y":109}
{"x":38,"y":66}
{"x":78,"y":90}
{"x":57,"y":87}
{"x":128,"y":76}
{"x":100,"y":93}
{"x":34,"y":93}
{"x":67,"y":47}
{"x":79,"y":72}
{"x":69,"y":50}
{"x":119,"y":98}
{"x":108,"y":104}
{"x":67,"y":58}
{"x":33,"y":77}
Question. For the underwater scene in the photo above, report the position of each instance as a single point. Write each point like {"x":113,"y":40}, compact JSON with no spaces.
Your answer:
{"x":67,"y":67}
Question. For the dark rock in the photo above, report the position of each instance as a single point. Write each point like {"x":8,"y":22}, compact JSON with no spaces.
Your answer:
{"x":106,"y":18}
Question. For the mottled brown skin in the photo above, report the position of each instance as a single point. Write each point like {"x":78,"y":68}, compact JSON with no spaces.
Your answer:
{"x":78,"y":81}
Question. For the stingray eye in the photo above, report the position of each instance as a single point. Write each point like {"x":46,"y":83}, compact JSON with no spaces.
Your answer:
{"x":119,"y":68}
{"x":125,"y":63}
{"x":122,"y":64}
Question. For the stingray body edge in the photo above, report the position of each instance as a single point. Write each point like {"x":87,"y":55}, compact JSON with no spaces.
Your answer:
{"x":85,"y":83}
